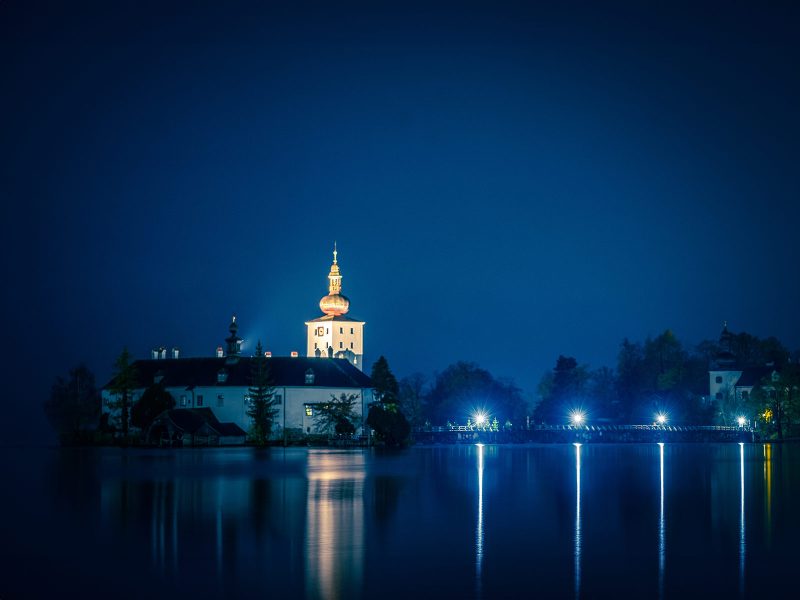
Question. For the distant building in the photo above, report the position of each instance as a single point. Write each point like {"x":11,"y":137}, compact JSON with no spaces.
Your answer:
{"x":335,"y":335}
{"x":220,"y":383}
{"x":728,"y":378}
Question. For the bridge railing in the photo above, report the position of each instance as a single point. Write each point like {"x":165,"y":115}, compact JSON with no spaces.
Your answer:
{"x":607,"y":428}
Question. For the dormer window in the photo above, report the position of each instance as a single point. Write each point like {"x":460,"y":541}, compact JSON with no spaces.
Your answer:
{"x":222,"y":376}
{"x":309,"y":377}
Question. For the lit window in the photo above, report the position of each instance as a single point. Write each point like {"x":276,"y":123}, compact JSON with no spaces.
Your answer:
{"x":199,"y":401}
{"x":309,"y":377}
{"x":309,"y":411}
{"x":220,"y":400}
{"x":719,"y":379}
{"x":183,"y":400}
{"x":222,"y":376}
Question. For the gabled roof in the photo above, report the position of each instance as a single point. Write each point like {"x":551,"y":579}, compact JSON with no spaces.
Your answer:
{"x":285,"y":371}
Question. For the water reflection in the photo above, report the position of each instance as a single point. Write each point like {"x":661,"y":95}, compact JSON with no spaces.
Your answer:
{"x":661,"y":537}
{"x":741,"y":521}
{"x":479,"y":527}
{"x":578,"y":539}
{"x":335,"y":525}
{"x":768,"y":491}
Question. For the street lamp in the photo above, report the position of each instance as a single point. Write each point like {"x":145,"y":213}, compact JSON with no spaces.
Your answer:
{"x":741,"y":421}
{"x":481,"y":419}
{"x":661,"y":419}
{"x":577,"y":417}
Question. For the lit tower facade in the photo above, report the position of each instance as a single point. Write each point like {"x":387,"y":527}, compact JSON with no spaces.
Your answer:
{"x":334,"y":334}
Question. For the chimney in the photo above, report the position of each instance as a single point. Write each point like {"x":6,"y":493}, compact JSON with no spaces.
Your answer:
{"x":162,"y":352}
{"x":154,"y":353}
{"x":295,"y":354}
{"x":219,"y":352}
{"x":176,"y":353}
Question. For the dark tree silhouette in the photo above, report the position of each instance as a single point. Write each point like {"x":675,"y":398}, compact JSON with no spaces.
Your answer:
{"x":74,"y":404}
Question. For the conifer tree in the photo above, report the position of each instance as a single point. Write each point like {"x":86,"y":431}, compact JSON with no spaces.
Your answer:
{"x":263,"y":406}
{"x":122,"y":386}
{"x":384,"y":382}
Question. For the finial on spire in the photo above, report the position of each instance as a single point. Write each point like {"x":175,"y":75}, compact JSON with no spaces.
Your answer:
{"x":724,"y":324}
{"x":334,"y":252}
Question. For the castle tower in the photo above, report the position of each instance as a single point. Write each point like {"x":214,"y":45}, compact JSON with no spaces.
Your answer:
{"x":336,"y":335}
{"x":234,"y":342}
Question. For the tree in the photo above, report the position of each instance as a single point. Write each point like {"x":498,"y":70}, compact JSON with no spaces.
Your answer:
{"x":384,"y":382}
{"x":630,"y":376}
{"x":263,"y":406}
{"x":563,"y":389}
{"x":154,"y":401}
{"x":777,"y":399}
{"x":122,"y":386}
{"x":74,"y":404}
{"x":464,"y":387}
{"x":603,"y":393}
{"x":411,"y":397}
{"x":337,"y":415}
{"x":390,"y":425}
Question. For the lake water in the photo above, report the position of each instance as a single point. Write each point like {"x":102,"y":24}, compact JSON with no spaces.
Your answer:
{"x":638,"y":521}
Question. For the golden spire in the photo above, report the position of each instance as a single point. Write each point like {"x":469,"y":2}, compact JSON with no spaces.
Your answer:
{"x":334,"y":277}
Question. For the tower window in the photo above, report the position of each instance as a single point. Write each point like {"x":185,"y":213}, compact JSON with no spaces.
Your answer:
{"x":341,"y":329}
{"x":183,"y":400}
{"x":309,"y":377}
{"x":278,"y":399}
{"x":351,"y":345}
{"x":200,"y":401}
{"x":351,"y":330}
{"x":341,"y":345}
{"x":719,"y":379}
{"x":220,"y":400}
{"x":315,"y":344}
{"x":309,"y":411}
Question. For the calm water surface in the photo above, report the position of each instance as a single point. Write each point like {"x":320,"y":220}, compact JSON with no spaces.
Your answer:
{"x":643,"y":521}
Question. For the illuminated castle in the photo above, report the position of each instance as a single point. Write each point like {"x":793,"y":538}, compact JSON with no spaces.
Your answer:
{"x":335,"y":335}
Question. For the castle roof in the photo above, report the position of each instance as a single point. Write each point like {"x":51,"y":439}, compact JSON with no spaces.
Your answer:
{"x":284,"y":371}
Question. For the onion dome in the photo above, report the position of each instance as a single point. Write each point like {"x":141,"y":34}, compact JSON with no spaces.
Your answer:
{"x":334,"y":303}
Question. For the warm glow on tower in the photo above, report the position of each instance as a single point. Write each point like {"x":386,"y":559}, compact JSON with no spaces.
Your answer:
{"x":336,"y":334}
{"x":334,"y":303}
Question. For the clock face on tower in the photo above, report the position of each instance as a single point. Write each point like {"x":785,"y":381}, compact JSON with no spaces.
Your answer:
{"x":320,"y":331}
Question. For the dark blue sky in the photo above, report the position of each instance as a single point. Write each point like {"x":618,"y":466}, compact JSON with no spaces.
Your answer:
{"x":506,"y":182}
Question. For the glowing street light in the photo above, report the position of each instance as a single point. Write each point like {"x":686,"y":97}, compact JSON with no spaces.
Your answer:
{"x":481,"y":419}
{"x":741,"y":421}
{"x":661,"y":419}
{"x":577,"y":417}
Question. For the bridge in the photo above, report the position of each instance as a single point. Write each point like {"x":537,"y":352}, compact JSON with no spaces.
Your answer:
{"x":454,"y":434}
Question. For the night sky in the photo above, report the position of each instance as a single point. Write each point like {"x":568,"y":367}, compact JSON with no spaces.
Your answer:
{"x":506,"y":183}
